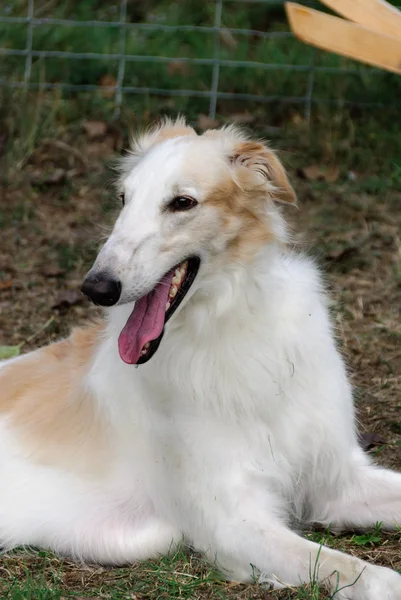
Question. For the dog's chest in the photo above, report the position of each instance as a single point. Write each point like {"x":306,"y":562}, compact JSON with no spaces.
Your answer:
{"x":219,"y":419}
{"x":225,"y":403}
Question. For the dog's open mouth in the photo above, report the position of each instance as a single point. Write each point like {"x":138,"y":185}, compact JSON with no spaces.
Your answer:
{"x":142,"y":334}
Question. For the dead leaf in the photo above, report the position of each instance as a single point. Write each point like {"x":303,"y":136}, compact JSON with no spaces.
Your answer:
{"x":94,"y":129}
{"x":330,"y":173}
{"x":312,"y":172}
{"x":297,"y":119}
{"x":205,"y":122}
{"x":66,"y":299}
{"x":108,"y":81}
{"x":6,"y":285}
{"x":178,"y":67}
{"x":228,"y":39}
{"x":52,"y":271}
{"x":369,"y":440}
{"x":100,"y":149}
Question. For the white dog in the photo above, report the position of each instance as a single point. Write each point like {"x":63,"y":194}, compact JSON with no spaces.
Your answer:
{"x":238,"y":418}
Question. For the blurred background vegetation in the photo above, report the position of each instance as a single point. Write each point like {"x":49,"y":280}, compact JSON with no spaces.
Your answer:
{"x":356,"y":122}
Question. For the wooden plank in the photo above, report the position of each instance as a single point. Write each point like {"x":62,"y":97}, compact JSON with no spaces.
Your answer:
{"x":345,"y":38}
{"x":377,"y":15}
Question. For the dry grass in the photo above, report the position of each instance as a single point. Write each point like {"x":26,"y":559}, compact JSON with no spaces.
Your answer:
{"x":49,"y":236}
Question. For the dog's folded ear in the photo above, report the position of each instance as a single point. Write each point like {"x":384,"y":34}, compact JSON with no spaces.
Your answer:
{"x":260,"y":166}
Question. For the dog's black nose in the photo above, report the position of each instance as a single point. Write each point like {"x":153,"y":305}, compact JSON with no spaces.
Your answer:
{"x":102,"y":289}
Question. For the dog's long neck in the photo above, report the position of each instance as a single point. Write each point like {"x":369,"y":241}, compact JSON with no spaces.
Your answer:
{"x":207,"y":344}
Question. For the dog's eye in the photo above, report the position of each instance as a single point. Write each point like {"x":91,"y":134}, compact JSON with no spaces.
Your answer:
{"x":122,"y":198}
{"x":182,"y":203}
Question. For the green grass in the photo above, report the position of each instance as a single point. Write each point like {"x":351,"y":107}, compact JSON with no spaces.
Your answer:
{"x":356,"y":138}
{"x":363,"y":86}
{"x":42,"y":576}
{"x":370,"y":538}
{"x":363,"y":144}
{"x":176,"y":576}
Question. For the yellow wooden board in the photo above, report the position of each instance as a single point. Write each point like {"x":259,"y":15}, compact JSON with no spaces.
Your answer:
{"x":344,"y":37}
{"x":377,"y":15}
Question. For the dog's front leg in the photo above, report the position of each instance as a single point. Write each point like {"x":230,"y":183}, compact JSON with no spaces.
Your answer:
{"x":254,"y":543}
{"x":363,"y":496}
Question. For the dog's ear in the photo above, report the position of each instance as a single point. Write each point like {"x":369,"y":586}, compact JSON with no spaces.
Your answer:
{"x":259,"y":164}
{"x":165,"y":130}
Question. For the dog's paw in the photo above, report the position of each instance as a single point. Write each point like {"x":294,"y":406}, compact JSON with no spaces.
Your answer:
{"x":373,"y":583}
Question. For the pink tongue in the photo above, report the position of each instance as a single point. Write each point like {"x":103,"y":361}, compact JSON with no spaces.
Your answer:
{"x":146,"y":321}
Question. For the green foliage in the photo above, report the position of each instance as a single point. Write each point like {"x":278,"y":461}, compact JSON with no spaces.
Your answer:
{"x":9,"y":351}
{"x":371,"y":538}
{"x":363,"y":85}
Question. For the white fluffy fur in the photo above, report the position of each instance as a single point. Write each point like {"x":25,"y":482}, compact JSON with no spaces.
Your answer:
{"x":241,"y":424}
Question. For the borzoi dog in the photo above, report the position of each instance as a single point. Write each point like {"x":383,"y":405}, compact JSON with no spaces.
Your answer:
{"x":211,"y":405}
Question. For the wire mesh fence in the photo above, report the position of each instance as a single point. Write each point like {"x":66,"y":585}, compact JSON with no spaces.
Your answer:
{"x":280,"y":56}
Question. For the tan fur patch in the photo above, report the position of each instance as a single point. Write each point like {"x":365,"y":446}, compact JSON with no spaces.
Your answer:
{"x":241,"y":196}
{"x":263,"y":161}
{"x":174,"y":131}
{"x":49,"y":407}
{"x":241,"y":218}
{"x":166,"y":130}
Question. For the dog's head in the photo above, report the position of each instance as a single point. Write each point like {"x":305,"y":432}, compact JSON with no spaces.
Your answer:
{"x":190,"y":204}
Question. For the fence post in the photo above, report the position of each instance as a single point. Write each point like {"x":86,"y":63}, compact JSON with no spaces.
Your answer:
{"x":121,"y":63}
{"x":29,"y":39}
{"x":216,"y":57}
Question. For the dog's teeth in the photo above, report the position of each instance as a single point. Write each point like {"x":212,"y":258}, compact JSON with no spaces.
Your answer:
{"x":168,"y":305}
{"x":173,"y":291}
{"x":176,"y":279}
{"x":143,"y":352}
{"x":146,"y":346}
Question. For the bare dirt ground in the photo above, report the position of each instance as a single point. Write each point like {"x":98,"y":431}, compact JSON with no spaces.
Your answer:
{"x":54,"y":214}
